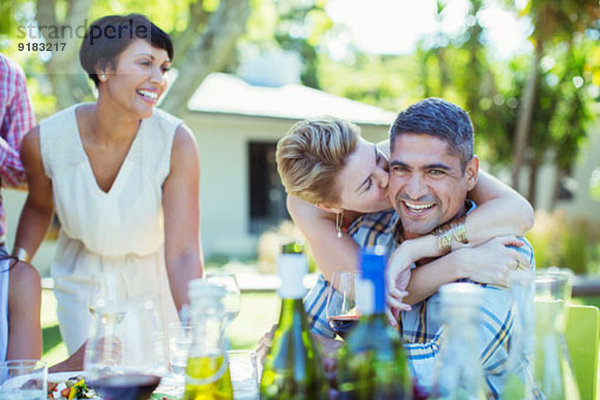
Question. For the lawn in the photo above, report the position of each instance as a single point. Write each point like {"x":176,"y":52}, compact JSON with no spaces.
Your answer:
{"x":258,"y":313}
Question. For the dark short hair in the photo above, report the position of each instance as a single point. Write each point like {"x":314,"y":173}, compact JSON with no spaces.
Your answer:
{"x":108,"y":36}
{"x":439,"y":118}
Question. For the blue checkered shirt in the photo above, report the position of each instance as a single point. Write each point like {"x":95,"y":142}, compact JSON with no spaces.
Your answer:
{"x":421,"y":326}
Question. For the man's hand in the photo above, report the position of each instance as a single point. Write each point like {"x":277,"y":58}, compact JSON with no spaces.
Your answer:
{"x":397,"y":275}
{"x":264,"y":345}
{"x":492,"y":261}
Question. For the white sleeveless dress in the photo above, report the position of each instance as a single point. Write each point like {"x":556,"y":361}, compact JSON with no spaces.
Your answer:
{"x":121,"y":229}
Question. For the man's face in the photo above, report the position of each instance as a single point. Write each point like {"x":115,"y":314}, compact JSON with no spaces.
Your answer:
{"x":427,"y":186}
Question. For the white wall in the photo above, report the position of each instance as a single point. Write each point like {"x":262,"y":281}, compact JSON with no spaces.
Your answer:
{"x":224,"y":178}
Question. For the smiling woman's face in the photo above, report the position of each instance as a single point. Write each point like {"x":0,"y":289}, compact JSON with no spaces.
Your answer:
{"x":138,"y":79}
{"x":363,"y":182}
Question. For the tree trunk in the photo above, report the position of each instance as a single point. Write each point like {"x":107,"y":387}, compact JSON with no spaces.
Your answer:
{"x":211,"y":52}
{"x":68,"y":83}
{"x":525,"y":115}
{"x":533,"y":175}
{"x":555,"y":189}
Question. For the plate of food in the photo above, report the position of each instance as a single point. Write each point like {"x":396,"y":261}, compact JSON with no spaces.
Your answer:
{"x":73,"y":385}
{"x":69,"y":386}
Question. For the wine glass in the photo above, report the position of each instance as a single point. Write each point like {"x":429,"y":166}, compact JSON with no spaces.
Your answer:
{"x":128,"y":362}
{"x":233,"y":298}
{"x":341,"y":310}
{"x":108,"y":298}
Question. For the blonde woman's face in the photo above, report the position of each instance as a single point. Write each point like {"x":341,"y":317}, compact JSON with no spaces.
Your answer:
{"x":363,"y":182}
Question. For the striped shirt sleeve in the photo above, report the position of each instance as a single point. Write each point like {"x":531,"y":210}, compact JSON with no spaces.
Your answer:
{"x":17,"y":118}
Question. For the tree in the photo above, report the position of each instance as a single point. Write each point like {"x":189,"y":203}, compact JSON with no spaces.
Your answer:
{"x":204,"y":44}
{"x":210,"y":51}
{"x":554,"y":21}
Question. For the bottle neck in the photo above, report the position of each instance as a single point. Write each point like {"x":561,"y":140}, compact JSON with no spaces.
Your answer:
{"x":460,"y":332}
{"x":292,"y":310}
{"x":370,"y":295}
{"x":373,"y":271}
{"x":291,"y":269}
{"x":207,"y":336}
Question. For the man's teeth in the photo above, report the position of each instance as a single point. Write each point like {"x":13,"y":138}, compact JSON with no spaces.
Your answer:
{"x":418,"y":207}
{"x":148,"y":94}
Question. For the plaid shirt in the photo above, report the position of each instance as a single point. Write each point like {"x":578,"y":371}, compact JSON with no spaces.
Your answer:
{"x":421,"y":326}
{"x":16,"y":119}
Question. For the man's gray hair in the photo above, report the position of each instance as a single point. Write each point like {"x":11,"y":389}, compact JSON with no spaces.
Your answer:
{"x":439,"y":118}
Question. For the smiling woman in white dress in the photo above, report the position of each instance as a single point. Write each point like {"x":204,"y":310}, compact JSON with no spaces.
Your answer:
{"x":122,"y":176}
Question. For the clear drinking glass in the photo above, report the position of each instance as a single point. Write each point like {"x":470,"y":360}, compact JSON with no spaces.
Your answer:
{"x":341,"y":310}
{"x":233,"y":296}
{"x":180,"y":340}
{"x":23,"y":380}
{"x":553,"y":371}
{"x":244,"y":374}
{"x":458,"y":372}
{"x":127,"y":363}
{"x":108,"y":297}
{"x":519,"y":384}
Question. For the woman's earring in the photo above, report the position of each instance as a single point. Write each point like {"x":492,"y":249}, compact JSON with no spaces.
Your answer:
{"x":339,"y":221}
{"x":102,"y":77}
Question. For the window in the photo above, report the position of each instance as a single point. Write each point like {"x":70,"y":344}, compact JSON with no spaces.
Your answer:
{"x":267,"y":195}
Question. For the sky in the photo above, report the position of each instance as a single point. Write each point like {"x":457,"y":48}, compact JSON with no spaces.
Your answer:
{"x":393,"y":26}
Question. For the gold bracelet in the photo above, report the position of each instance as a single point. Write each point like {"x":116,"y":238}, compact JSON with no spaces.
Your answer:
{"x":444,"y":238}
{"x":459,"y":230}
{"x":21,"y":254}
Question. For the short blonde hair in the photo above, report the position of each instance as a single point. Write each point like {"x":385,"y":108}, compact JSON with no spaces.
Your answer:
{"x":310,"y":156}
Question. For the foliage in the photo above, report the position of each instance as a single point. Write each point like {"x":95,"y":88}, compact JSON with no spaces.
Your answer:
{"x":557,"y":241}
{"x":204,"y":33}
{"x":463,"y":69}
{"x":269,"y":246}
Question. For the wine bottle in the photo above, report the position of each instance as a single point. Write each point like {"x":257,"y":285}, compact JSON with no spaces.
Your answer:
{"x":293,"y":367}
{"x":372,"y":363}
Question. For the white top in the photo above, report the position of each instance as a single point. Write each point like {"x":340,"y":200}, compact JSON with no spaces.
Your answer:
{"x":128,"y":218}
{"x":4,"y":276}
{"x":121,"y":229}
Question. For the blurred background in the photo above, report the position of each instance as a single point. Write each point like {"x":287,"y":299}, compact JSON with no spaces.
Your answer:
{"x":528,"y":72}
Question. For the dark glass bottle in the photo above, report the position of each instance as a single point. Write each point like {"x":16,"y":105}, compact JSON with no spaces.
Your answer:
{"x":293,"y":369}
{"x":372,"y":364}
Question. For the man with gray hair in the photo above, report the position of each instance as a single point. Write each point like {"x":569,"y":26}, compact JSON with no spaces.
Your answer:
{"x":432,"y":167}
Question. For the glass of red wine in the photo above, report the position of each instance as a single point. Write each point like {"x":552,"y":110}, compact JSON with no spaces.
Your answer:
{"x":341,"y":310}
{"x":127,"y":362}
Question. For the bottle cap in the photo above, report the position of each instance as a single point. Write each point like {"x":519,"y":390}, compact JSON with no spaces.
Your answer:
{"x":461,"y":294}
{"x":203,"y":293}
{"x":294,"y":247}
